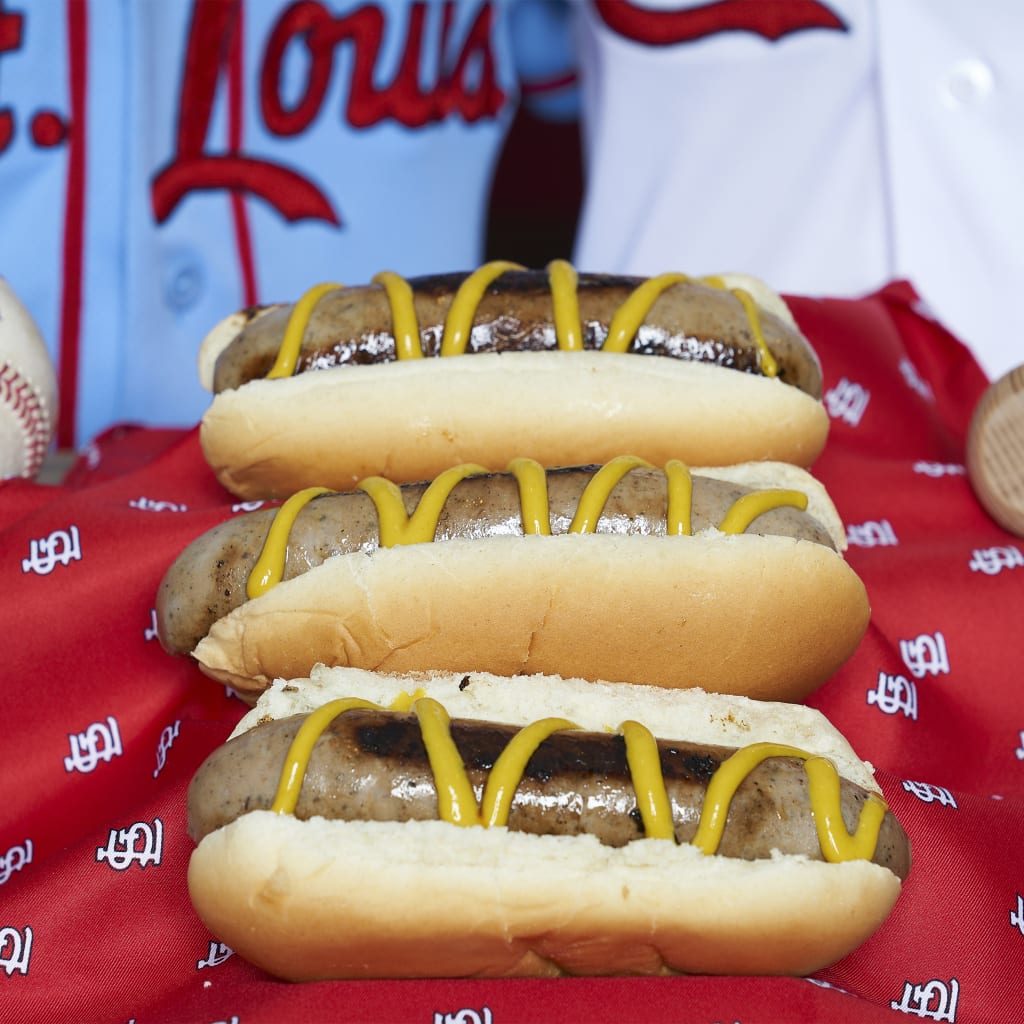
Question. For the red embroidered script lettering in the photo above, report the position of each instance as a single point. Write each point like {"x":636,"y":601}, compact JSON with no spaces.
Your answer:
{"x":469,"y":89}
{"x":684,"y":24}
{"x":193,"y":169}
{"x":10,"y":39}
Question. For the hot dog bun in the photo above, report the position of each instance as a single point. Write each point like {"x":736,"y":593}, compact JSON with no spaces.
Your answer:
{"x":325,"y":899}
{"x":768,"y":616}
{"x":410,"y":418}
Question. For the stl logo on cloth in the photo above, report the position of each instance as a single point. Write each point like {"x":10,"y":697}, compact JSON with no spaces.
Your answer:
{"x":992,"y":561}
{"x":59,"y":547}
{"x":28,"y":390}
{"x":935,"y":999}
{"x":16,"y":858}
{"x":166,"y":741}
{"x":1017,"y":915}
{"x":930,"y":794}
{"x":847,"y":401}
{"x":140,"y":843}
{"x":894,"y":693}
{"x":217,"y":954}
{"x":925,"y":655}
{"x":15,"y":949}
{"x":464,"y":1016}
{"x":101,"y":741}
{"x":872,"y":534}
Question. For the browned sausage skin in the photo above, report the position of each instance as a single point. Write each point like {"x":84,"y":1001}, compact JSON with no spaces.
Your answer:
{"x":373,"y":765}
{"x":580,"y":844}
{"x":353,"y":326}
{"x":209,"y":578}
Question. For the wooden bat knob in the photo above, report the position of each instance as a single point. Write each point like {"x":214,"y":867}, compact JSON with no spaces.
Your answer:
{"x":995,"y":451}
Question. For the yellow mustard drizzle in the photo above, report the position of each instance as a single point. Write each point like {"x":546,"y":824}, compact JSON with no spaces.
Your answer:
{"x":648,"y":781}
{"x":836,"y":843}
{"x":269,"y":567}
{"x":532,"y":479}
{"x":630,"y":315}
{"x":562,"y":280}
{"x":296,"y":761}
{"x":744,"y":510}
{"x":398,"y":527}
{"x":598,"y":490}
{"x":678,"y":522}
{"x":301,"y":749}
{"x":823,"y":792}
{"x":298,"y":321}
{"x":457,"y":802}
{"x":459,"y":322}
{"x":769,"y":367}
{"x":504,"y":777}
{"x":404,"y":326}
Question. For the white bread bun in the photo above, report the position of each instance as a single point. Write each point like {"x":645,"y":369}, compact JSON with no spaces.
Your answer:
{"x":411,"y":420}
{"x":599,"y":705}
{"x":323,"y":899}
{"x":764,"y":616}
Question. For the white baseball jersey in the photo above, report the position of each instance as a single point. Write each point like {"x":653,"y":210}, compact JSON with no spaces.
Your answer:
{"x":827,"y":147}
{"x":164,"y":163}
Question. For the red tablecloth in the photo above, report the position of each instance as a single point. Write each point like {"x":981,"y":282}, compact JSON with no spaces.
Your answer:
{"x":103,"y":730}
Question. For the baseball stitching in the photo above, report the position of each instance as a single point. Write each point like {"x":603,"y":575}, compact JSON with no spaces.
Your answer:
{"x":19,"y":395}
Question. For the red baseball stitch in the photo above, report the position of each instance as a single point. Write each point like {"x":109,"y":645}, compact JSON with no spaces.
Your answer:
{"x":23,"y":400}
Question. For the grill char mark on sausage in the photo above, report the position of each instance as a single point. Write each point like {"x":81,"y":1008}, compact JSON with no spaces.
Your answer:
{"x":374,"y":765}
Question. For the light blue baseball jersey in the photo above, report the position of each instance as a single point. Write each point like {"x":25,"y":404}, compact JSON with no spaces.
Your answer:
{"x":164,"y":163}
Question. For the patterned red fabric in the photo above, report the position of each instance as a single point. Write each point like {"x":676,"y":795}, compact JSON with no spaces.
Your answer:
{"x":103,"y":731}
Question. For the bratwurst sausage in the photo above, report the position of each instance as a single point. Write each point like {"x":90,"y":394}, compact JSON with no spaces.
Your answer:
{"x":373,"y":765}
{"x":209,"y":579}
{"x":470,"y":893}
{"x":691,"y":320}
{"x":559,"y":367}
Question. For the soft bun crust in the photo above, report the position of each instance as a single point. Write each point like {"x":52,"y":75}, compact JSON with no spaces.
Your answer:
{"x":768,"y":617}
{"x":321,"y":899}
{"x":325,"y":899}
{"x":411,"y":420}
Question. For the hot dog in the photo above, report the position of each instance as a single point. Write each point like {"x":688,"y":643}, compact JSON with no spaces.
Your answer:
{"x":729,"y":578}
{"x":559,"y":367}
{"x":747,"y":837}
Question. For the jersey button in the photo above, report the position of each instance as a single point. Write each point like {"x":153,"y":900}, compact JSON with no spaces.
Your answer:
{"x":183,"y":286}
{"x":969,"y":82}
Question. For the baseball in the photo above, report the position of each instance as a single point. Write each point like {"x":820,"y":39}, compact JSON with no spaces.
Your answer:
{"x":28,"y":390}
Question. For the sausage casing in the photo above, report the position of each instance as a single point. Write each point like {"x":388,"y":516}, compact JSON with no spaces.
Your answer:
{"x":689,"y":320}
{"x":373,"y":765}
{"x":209,"y":578}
